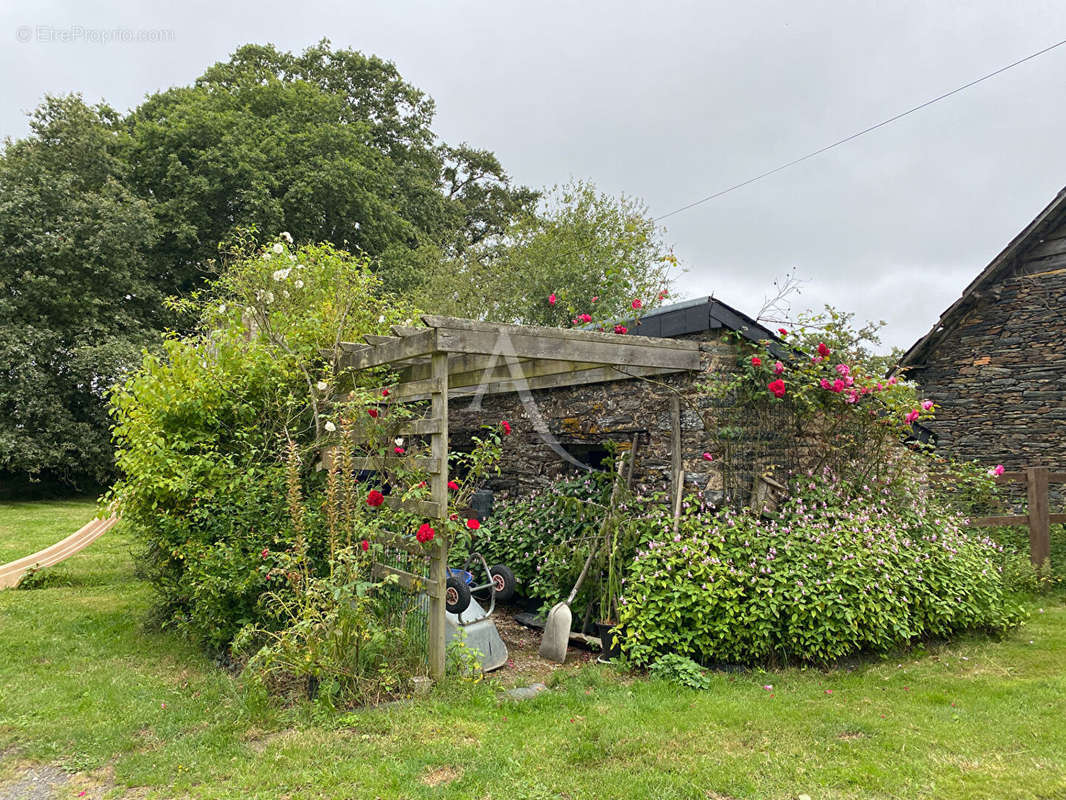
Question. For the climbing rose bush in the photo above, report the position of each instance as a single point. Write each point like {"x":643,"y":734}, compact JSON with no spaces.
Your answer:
{"x":842,"y":569}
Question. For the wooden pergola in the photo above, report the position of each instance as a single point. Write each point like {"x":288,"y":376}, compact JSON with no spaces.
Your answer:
{"x":451,"y":358}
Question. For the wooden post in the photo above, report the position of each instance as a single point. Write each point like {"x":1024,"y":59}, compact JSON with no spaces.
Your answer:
{"x":439,"y":490}
{"x":1039,"y":515}
{"x":675,"y":457}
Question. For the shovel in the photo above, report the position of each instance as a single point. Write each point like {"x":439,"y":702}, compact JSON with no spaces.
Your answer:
{"x":557,"y":629}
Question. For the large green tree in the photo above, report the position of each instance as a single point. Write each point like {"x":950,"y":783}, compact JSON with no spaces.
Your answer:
{"x":330,"y":145}
{"x":103,"y":216}
{"x":594,"y":252}
{"x":78,"y":294}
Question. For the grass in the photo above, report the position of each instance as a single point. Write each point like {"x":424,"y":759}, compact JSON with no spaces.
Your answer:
{"x":86,"y":688}
{"x":28,"y":527}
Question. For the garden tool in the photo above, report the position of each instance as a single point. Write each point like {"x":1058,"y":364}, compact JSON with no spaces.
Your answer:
{"x":557,"y":629}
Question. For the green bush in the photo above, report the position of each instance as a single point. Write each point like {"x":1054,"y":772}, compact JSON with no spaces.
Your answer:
{"x":200,"y":427}
{"x":544,"y":536}
{"x":680,"y":670}
{"x":840,"y":570}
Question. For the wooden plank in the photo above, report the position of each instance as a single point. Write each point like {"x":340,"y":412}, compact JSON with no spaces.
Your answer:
{"x":619,"y":350}
{"x":990,"y":522}
{"x":1012,"y":477}
{"x":1039,"y":516}
{"x":408,"y":580}
{"x":372,"y":339}
{"x":407,"y":390}
{"x":1057,"y":519}
{"x":377,"y":463}
{"x":457,"y":365}
{"x":397,"y":542}
{"x":405,"y":330}
{"x":1056,"y":477}
{"x":580,"y":378}
{"x":675,"y":457}
{"x":420,"y":508}
{"x":406,"y":347}
{"x":439,"y":492}
{"x":565,"y":334}
{"x":414,"y":427}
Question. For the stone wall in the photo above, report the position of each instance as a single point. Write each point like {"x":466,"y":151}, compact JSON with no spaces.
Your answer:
{"x":1000,"y":374}
{"x":582,"y":418}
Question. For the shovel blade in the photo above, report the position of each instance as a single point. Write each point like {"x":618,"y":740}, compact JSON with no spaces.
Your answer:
{"x":556,"y":633}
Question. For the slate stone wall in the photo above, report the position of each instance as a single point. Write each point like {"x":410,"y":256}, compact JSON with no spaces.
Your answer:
{"x":582,"y":418}
{"x":1000,"y":374}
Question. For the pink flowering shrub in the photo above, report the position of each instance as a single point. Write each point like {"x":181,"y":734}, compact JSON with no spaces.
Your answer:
{"x":842,"y":569}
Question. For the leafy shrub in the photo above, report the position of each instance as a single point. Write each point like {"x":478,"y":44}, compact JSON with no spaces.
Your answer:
{"x":544,"y":536}
{"x":842,"y":569}
{"x":198,"y":427}
{"x":680,"y":670}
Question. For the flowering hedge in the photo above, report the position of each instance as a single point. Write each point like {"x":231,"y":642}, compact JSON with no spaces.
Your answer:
{"x":841,"y":570}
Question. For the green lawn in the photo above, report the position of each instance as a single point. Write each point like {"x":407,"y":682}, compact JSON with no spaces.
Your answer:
{"x":28,"y":527}
{"x":84,"y":687}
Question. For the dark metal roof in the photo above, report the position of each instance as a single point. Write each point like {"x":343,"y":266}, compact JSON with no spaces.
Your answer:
{"x":700,"y":315}
{"x":1047,"y":218}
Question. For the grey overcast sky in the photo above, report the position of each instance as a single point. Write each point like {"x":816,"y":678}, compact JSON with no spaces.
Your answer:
{"x":671,"y":101}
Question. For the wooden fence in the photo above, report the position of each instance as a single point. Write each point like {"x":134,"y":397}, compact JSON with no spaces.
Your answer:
{"x":1039,"y":519}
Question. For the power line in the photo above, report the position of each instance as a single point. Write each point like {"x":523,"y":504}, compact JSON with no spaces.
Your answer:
{"x":863,"y":132}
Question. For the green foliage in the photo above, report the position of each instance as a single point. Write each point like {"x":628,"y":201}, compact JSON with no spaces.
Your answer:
{"x":680,"y":670}
{"x":197,"y":428}
{"x":78,"y":293}
{"x":595,"y":253}
{"x":544,"y":537}
{"x":843,"y":569}
{"x":332,"y":145}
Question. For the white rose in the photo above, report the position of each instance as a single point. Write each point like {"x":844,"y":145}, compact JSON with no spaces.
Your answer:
{"x":286,"y":236}
{"x":322,"y":386}
{"x":399,"y":441}
{"x":281,"y":274}
{"x":268,"y":298}
{"x":298,"y":284}
{"x":279,"y":247}
{"x":330,"y":427}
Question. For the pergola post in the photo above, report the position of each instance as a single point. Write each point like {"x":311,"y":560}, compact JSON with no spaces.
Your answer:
{"x":439,"y":491}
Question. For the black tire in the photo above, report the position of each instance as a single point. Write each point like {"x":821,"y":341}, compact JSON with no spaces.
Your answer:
{"x":503,"y":581}
{"x":456,"y":596}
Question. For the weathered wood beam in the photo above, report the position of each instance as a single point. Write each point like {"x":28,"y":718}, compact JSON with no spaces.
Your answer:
{"x":420,"y":508}
{"x":614,"y":351}
{"x":553,"y":381}
{"x":567,"y":334}
{"x":420,"y":344}
{"x":408,"y":580}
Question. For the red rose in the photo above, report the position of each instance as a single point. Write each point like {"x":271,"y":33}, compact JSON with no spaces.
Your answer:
{"x":265,"y":552}
{"x":384,"y":392}
{"x":398,"y":450}
{"x":473,"y":524}
{"x":756,"y":361}
{"x":823,"y":349}
{"x":372,"y":412}
{"x":453,"y":485}
{"x":777,"y":388}
{"x":365,"y":545}
{"x":506,"y":427}
{"x":621,"y":330}
{"x":636,"y":304}
{"x":425,"y":533}
{"x":375,"y":498}
{"x":782,"y":331}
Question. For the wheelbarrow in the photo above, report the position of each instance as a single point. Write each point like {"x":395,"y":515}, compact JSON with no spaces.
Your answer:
{"x":466,"y":619}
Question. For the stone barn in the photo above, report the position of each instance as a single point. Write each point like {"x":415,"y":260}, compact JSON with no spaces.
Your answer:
{"x":995,"y":361}
{"x":581,"y":416}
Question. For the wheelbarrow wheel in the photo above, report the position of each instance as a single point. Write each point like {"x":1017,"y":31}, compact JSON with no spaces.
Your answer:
{"x":503,"y":582}
{"x":456,"y":596}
